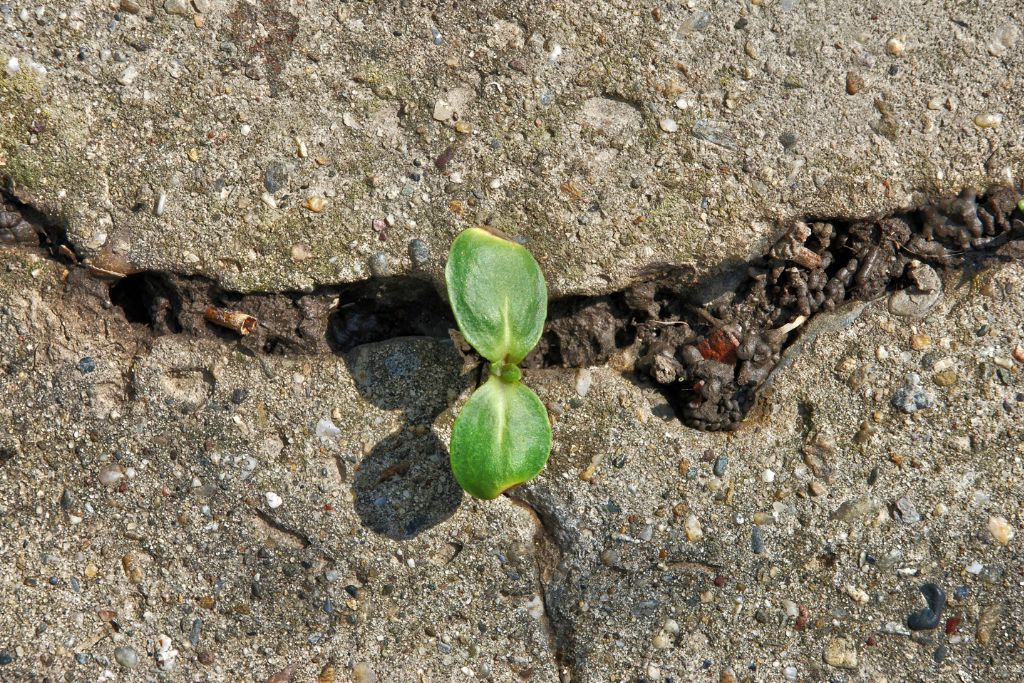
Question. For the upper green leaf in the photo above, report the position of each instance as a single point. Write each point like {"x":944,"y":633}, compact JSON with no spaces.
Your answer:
{"x":498,"y":295}
{"x":501,"y":438}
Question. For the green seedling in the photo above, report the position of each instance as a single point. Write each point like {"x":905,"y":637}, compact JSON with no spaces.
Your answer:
{"x":502,"y":437}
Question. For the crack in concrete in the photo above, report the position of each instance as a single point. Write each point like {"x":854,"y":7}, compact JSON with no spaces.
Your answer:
{"x":548,"y":561}
{"x":291,"y":535}
{"x":708,"y":345}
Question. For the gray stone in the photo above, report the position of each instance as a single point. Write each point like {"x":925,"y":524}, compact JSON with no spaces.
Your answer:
{"x":126,"y":656}
{"x":419,"y":253}
{"x":907,"y":511}
{"x":854,"y":509}
{"x":912,"y":397}
{"x":179,"y":7}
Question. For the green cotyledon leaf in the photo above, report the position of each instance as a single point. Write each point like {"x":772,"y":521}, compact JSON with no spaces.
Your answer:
{"x":501,"y":438}
{"x":497,"y":294}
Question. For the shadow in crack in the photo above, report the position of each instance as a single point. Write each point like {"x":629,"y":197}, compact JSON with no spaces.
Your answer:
{"x":405,"y":485}
{"x":385,"y":308}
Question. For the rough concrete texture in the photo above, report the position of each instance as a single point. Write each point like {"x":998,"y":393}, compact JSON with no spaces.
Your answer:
{"x":261,"y":514}
{"x":830,"y":509}
{"x":181,"y":508}
{"x":609,"y":136}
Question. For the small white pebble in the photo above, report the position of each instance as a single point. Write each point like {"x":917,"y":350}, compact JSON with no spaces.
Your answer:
{"x":161,"y":204}
{"x":1000,"y":530}
{"x":692,"y":528}
{"x":535,"y":608}
{"x":974,"y":568}
{"x":129,"y":75}
{"x":442,"y":110}
{"x":896,"y":47}
{"x":768,"y":476}
{"x":662,"y":642}
{"x":682,"y":103}
{"x":110,"y":474}
{"x":165,"y":653}
{"x":245,"y":129}
{"x":988,"y":120}
{"x":13,"y":66}
{"x":668,"y":125}
{"x":584,"y":378}
{"x":96,"y":240}
{"x":857,"y":595}
{"x":325,"y":429}
{"x":1003,"y":39}
{"x":273,"y":500}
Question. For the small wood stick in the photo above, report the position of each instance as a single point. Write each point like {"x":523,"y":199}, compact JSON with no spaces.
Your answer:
{"x":242,"y":323}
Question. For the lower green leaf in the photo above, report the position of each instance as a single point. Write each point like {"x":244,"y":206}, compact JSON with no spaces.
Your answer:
{"x":501,"y":438}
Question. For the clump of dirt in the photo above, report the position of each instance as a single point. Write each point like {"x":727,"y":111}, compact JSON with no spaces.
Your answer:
{"x":710,"y":359}
{"x":14,"y":229}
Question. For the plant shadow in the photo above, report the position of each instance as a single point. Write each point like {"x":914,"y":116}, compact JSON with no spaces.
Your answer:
{"x":405,"y":486}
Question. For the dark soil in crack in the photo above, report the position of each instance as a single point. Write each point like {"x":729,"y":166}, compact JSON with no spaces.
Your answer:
{"x":710,"y":352}
{"x":707,"y":345}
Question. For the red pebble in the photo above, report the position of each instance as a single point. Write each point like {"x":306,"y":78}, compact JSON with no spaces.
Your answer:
{"x":871,"y":641}
{"x":952,"y":623}
{"x":328,"y":507}
{"x":123,"y":487}
{"x":801,"y":620}
{"x":719,"y":346}
{"x":719,"y":580}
